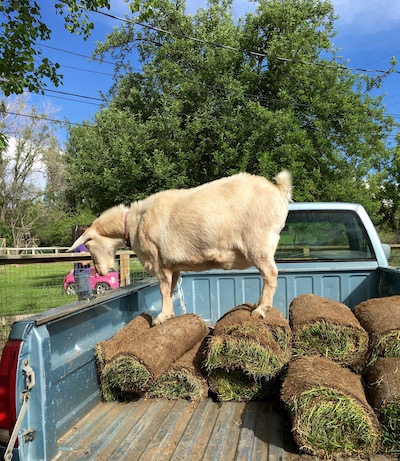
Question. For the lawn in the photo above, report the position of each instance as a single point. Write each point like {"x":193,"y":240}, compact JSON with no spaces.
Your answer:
{"x":32,"y":288}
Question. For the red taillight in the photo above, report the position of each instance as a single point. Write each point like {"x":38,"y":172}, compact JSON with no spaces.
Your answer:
{"x":8,"y":377}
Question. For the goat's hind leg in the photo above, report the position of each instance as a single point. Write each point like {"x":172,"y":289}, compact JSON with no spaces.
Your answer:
{"x":269,"y":274}
{"x":167,"y":281}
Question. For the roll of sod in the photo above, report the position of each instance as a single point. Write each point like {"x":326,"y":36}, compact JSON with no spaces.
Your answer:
{"x":380,"y":317}
{"x":235,"y":385}
{"x":105,"y":351}
{"x":141,"y":362}
{"x":185,"y":378}
{"x":383,"y":384}
{"x":328,"y":329}
{"x":257,"y":347}
{"x":330,"y":413}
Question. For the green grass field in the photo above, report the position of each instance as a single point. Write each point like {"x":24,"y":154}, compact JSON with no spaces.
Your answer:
{"x":29,"y":289}
{"x":32,"y":288}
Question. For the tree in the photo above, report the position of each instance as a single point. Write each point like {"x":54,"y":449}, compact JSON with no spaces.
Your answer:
{"x":21,"y":63}
{"x":23,"y":168}
{"x":264,"y":93}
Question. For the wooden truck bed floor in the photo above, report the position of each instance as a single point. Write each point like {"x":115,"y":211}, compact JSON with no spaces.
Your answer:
{"x":160,"y":429}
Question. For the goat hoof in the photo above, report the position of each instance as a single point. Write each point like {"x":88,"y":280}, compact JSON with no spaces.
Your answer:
{"x":259,"y":312}
{"x":160,"y":319}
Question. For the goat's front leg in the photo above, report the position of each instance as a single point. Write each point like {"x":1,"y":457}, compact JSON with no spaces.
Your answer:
{"x":166,"y":289}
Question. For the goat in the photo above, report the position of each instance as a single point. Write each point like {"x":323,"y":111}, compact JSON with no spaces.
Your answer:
{"x":230,"y":223}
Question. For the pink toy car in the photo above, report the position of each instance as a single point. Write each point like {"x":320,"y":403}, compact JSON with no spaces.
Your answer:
{"x":99,"y":284}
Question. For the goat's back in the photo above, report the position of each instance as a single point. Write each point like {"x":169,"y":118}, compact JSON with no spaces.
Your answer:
{"x":228,"y":214}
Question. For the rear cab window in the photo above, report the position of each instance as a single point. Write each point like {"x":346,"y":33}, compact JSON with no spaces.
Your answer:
{"x":324,"y":235}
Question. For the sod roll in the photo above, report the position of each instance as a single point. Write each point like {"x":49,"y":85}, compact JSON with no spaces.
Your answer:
{"x":380,"y":317}
{"x":257,"y":347}
{"x":106,"y":350}
{"x":185,"y":378}
{"x":330,"y":413}
{"x":383,"y":384}
{"x":328,"y":329}
{"x":142,"y":361}
{"x":235,"y":385}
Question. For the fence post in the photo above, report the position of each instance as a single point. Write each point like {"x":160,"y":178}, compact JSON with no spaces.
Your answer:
{"x":125,"y":272}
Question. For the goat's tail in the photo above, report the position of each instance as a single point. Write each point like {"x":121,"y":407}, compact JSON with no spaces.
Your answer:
{"x":284,"y":183}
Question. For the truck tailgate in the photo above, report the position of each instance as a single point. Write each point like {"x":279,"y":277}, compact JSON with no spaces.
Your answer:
{"x":177,"y":429}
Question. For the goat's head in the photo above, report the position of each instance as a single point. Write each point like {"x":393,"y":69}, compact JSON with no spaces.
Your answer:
{"x":102,"y":248}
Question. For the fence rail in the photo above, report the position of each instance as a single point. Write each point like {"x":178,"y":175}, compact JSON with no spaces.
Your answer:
{"x":31,"y":250}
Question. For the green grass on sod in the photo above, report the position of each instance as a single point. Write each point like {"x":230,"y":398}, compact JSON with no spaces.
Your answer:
{"x":178,"y":385}
{"x":387,"y":346}
{"x":234,"y":385}
{"x":339,"y":343}
{"x":389,"y":417}
{"x":227,"y":352}
{"x":123,"y":375}
{"x":330,"y":423}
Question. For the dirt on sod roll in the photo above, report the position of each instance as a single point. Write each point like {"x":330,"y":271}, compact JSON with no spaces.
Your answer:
{"x":142,"y":361}
{"x":106,"y":350}
{"x":330,"y":413}
{"x":380,"y":317}
{"x":383,"y":385}
{"x":258,"y":348}
{"x":329,"y":329}
{"x":185,"y":378}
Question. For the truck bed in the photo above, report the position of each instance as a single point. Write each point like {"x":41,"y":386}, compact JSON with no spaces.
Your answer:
{"x":66,"y":420}
{"x":161,"y":429}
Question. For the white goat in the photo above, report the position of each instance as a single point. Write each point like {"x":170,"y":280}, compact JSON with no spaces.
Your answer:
{"x":230,"y":223}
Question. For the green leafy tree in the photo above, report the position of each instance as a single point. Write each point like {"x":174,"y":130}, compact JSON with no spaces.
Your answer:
{"x":22,"y":65}
{"x":259,"y":94}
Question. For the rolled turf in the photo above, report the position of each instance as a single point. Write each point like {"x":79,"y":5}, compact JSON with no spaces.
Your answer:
{"x":383,"y":384}
{"x":256,"y":349}
{"x":235,"y":385}
{"x":141,"y":362}
{"x":105,"y":351}
{"x":328,"y":329}
{"x":380,"y":317}
{"x":330,"y":413}
{"x":185,"y":378}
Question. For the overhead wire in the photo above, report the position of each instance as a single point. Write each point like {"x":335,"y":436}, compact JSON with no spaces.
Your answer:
{"x":165,"y":31}
{"x":257,"y":54}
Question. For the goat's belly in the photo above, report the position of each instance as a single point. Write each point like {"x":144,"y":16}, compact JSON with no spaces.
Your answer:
{"x":215,"y":260}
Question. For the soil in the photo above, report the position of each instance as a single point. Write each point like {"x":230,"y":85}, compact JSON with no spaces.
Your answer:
{"x":383,"y":382}
{"x":379,"y":316}
{"x":307,"y":310}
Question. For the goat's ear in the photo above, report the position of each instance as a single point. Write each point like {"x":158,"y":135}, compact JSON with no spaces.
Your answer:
{"x":87,"y":235}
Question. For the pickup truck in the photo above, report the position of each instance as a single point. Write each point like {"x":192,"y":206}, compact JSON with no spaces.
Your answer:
{"x":50,"y":400}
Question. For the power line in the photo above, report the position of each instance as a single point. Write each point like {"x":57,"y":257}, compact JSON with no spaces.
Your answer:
{"x":46,"y":119}
{"x":75,"y":54}
{"x":252,"y":53}
{"x":66,"y":93}
{"x":90,"y":58}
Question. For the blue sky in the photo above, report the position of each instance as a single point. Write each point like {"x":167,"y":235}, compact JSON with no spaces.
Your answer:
{"x":368,"y":35}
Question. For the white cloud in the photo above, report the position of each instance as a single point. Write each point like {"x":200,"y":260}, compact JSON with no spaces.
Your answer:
{"x":367,"y":15}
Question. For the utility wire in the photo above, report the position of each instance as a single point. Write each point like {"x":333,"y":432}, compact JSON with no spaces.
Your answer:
{"x":231,"y":48}
{"x":90,"y":58}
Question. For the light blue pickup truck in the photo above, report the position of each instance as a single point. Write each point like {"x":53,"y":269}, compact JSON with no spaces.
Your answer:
{"x":50,"y":401}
